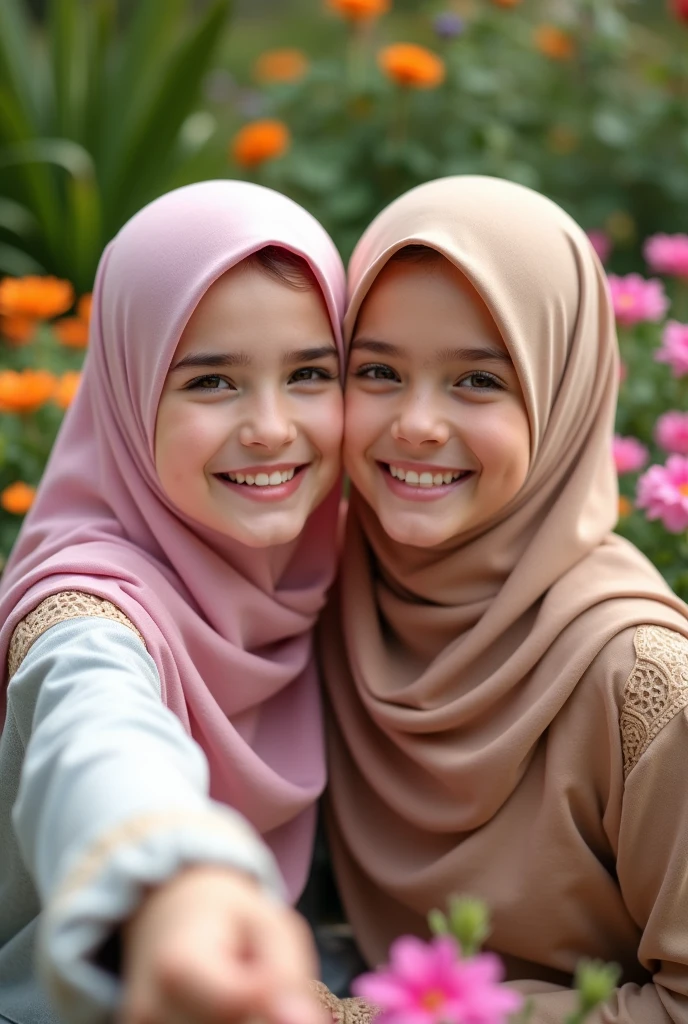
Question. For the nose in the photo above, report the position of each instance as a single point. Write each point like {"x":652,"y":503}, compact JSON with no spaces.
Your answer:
{"x":269,"y":425}
{"x":419,"y":423}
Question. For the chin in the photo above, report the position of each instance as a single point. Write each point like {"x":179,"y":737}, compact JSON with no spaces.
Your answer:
{"x":271,"y":536}
{"x":414,"y":534}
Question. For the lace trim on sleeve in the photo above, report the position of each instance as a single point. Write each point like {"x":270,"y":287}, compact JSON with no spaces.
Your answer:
{"x":656,"y":690}
{"x":344,"y":1011}
{"x":68,"y":604}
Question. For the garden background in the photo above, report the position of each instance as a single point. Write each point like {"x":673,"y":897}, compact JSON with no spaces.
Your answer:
{"x":344,"y":104}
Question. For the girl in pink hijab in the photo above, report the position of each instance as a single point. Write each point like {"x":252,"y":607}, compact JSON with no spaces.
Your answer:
{"x":161,"y":755}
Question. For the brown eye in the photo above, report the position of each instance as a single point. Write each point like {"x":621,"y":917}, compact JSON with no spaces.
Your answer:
{"x":211,"y":382}
{"x":376,"y":371}
{"x":310,"y":373}
{"x":480,"y":381}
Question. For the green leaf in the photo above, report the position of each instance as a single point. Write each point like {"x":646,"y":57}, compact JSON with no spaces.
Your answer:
{"x":100,"y":33}
{"x":16,"y":218}
{"x":17,"y":263}
{"x":67,"y":52}
{"x":17,"y":64}
{"x":82,"y":242}
{"x":161,"y":115}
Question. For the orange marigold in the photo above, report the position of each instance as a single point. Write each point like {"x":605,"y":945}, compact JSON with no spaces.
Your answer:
{"x":20,"y":330}
{"x":562,"y":140}
{"x":83,"y":306}
{"x":17,"y":498}
{"x":412,"y":66}
{"x":38,"y":297}
{"x":66,"y":388}
{"x":26,"y":390}
{"x":553,"y":42}
{"x":359,"y":10}
{"x":625,"y":507}
{"x":72,"y":331}
{"x":260,"y":141}
{"x":287,"y":65}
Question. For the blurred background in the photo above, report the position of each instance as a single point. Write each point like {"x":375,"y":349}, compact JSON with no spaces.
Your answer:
{"x":343,"y":105}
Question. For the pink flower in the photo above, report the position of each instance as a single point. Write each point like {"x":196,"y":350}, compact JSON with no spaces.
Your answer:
{"x":671,"y":432}
{"x":667,"y":254}
{"x":663,"y":492}
{"x":630,"y":454}
{"x":430,"y":983}
{"x":674,"y":348}
{"x":635,"y":298}
{"x":601,"y":243}
{"x":623,"y":371}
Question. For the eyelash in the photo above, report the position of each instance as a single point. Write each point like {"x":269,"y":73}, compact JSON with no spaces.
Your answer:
{"x":365,"y":373}
{"x":198,"y":383}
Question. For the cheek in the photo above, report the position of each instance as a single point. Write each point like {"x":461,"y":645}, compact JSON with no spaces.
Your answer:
{"x":363,"y":423}
{"x":501,"y":442}
{"x":185,"y":438}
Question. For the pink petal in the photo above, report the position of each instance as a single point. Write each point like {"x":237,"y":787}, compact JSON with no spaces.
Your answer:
{"x":413,"y":960}
{"x":385,"y":990}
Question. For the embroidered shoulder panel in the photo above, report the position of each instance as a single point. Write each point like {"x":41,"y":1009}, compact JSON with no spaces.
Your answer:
{"x":352,"y":1010}
{"x":656,"y":690}
{"x":69,"y":604}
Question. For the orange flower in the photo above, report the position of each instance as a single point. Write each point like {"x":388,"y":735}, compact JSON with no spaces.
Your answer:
{"x":38,"y":297}
{"x":66,"y":388}
{"x":562,"y":140}
{"x":26,"y":390}
{"x":20,"y":330}
{"x":359,"y":10}
{"x":260,"y":141}
{"x":72,"y":331}
{"x":83,"y":307}
{"x":553,"y":42}
{"x":412,"y":66}
{"x":281,"y":66}
{"x":625,"y":507}
{"x":17,"y":498}
{"x":506,"y":3}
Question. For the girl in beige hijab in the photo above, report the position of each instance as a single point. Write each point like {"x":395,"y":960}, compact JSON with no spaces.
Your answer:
{"x":508,"y":679}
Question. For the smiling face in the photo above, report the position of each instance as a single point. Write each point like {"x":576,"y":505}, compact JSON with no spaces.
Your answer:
{"x":249,"y":427}
{"x":437,"y":438}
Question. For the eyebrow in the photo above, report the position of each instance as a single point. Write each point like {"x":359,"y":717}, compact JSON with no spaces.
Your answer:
{"x":226,"y":359}
{"x":446,"y":355}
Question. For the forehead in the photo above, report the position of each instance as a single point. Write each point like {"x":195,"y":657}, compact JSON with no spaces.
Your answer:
{"x":248,"y":306}
{"x":426,"y":303}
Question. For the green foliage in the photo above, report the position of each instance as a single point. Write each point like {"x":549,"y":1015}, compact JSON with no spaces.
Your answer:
{"x":601,"y":132}
{"x":91,"y":122}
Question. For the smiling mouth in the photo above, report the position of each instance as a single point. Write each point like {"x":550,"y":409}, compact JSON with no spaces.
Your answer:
{"x":426,"y":478}
{"x":275,"y":478}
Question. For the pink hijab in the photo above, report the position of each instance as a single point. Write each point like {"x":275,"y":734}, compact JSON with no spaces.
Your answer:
{"x":229,"y":627}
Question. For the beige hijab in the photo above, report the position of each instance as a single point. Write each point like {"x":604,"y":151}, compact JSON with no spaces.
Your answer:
{"x":445,"y":667}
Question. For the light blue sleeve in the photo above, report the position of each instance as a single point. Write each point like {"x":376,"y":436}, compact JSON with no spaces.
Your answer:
{"x":113,"y":798}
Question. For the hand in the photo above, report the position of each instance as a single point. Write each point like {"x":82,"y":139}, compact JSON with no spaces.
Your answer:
{"x":209,"y":947}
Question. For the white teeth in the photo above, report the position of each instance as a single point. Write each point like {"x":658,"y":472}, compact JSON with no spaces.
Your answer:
{"x":424,"y":479}
{"x":273,"y":479}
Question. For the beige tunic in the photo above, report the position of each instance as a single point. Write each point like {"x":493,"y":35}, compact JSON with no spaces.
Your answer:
{"x":589,"y":855}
